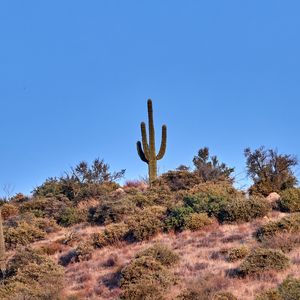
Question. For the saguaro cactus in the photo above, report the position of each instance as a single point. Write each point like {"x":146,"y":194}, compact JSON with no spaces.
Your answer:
{"x":2,"y":248}
{"x":147,"y":151}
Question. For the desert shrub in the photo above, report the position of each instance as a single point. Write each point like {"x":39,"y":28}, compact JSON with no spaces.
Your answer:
{"x":289,"y":289}
{"x":112,"y":211}
{"x":70,"y":238}
{"x":70,"y":216}
{"x":51,"y":248}
{"x":18,"y":198}
{"x":46,"y":225}
{"x":32,"y":276}
{"x":83,"y":181}
{"x":177,"y":217}
{"x":289,"y":224}
{"x":180,"y":179}
{"x":160,"y":195}
{"x":161,"y":253}
{"x":224,"y":296}
{"x":146,"y":223}
{"x":209,"y":203}
{"x":23,"y":234}
{"x":210,"y":197}
{"x":260,"y":260}
{"x":197,"y":221}
{"x":83,"y":252}
{"x":269,"y":295}
{"x":223,"y":189}
{"x":243,"y":210}
{"x":51,"y":207}
{"x":145,"y":278}
{"x":23,"y":257}
{"x":290,"y":200}
{"x":285,"y":242}
{"x":8,"y":210}
{"x":237,"y":253}
{"x":205,"y":288}
{"x":135,"y":184}
{"x":112,"y":234}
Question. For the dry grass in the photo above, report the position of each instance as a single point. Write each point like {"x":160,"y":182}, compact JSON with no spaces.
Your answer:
{"x":201,"y":254}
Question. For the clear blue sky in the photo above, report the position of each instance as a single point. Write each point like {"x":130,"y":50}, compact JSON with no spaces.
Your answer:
{"x":75,"y":77}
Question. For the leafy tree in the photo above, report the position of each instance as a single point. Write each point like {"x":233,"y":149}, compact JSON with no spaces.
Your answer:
{"x":209,"y":168}
{"x":270,"y":171}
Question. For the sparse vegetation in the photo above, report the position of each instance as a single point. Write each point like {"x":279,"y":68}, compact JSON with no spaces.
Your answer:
{"x":190,"y":235}
{"x":289,"y":224}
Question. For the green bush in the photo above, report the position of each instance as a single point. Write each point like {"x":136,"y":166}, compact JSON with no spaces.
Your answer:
{"x":289,"y":224}
{"x":285,"y":242}
{"x":243,"y":210}
{"x":112,"y":234}
{"x":46,"y":225}
{"x":290,"y":200}
{"x":197,"y":221}
{"x":145,"y":278}
{"x":177,"y":217}
{"x":235,"y":209}
{"x":23,"y":257}
{"x":112,"y":211}
{"x":180,"y":179}
{"x":237,"y":253}
{"x":207,"y":288}
{"x":269,"y":295}
{"x":22,"y":234}
{"x":8,"y":210}
{"x":70,"y":216}
{"x":224,"y":296}
{"x":209,"y":203}
{"x":83,"y":252}
{"x":146,"y":223}
{"x":289,"y":289}
{"x":260,"y":260}
{"x":32,"y":276}
{"x":222,"y":189}
{"x":161,"y":253}
{"x":50,"y":207}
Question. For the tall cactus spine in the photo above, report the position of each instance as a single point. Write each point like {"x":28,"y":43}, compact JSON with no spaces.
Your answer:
{"x":2,"y":248}
{"x":147,"y":150}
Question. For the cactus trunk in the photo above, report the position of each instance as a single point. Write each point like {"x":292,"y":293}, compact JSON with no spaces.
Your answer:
{"x":147,"y":152}
{"x":2,"y":248}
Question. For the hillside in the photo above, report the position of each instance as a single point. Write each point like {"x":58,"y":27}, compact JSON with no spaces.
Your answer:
{"x":85,"y":237}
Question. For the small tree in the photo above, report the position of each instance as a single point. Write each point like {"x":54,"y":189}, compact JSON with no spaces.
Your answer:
{"x":270,"y":171}
{"x":98,"y":172}
{"x":82,"y":181}
{"x":209,"y":168}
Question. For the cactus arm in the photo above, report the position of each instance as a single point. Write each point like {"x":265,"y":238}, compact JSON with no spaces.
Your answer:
{"x":144,"y":140}
{"x":141,"y":152}
{"x":163,"y":145}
